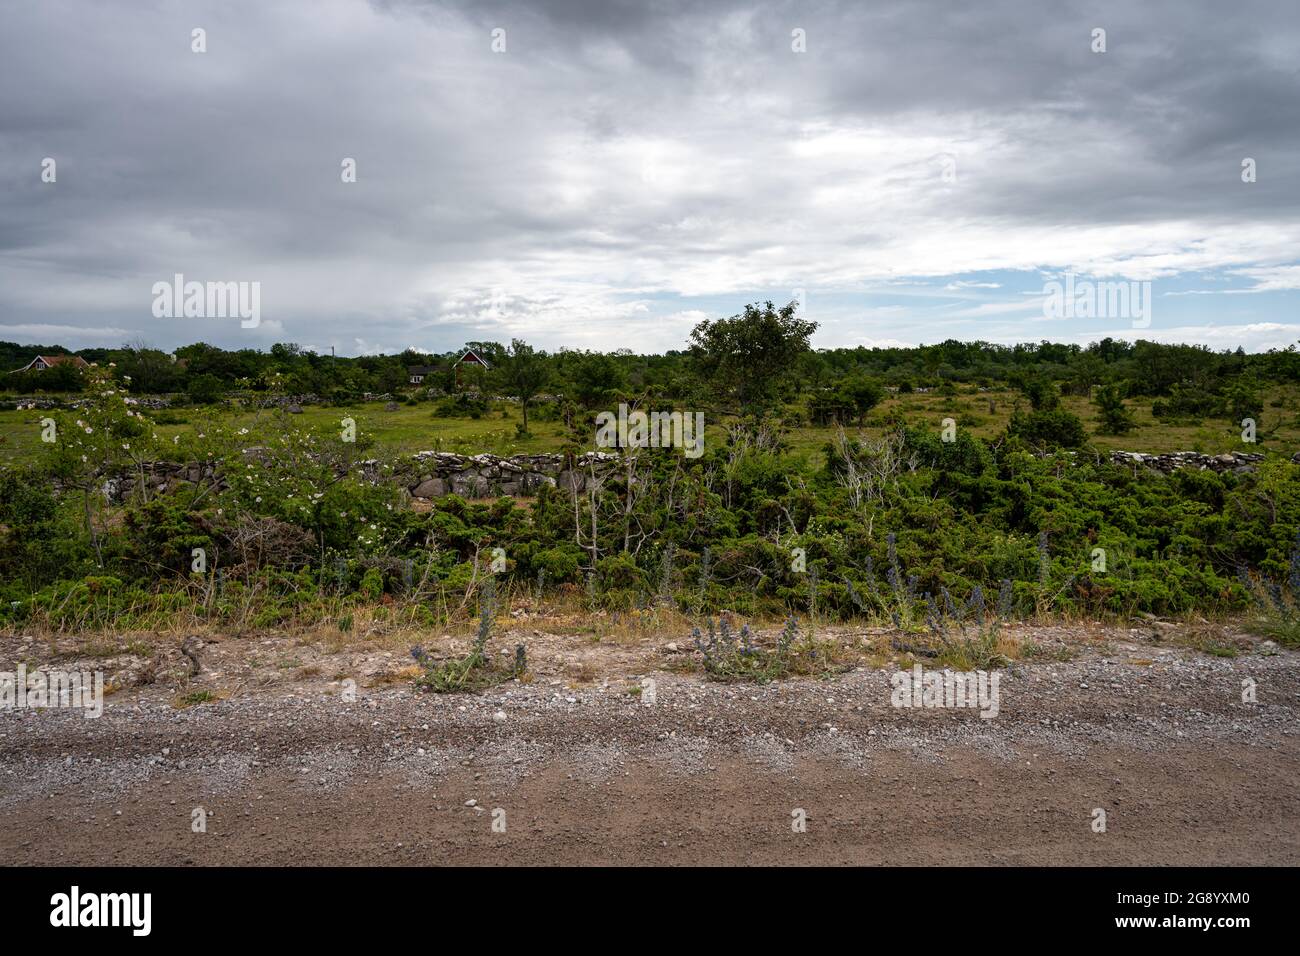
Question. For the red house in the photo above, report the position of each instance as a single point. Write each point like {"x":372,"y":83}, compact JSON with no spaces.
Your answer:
{"x":42,"y":362}
{"x":469,"y":358}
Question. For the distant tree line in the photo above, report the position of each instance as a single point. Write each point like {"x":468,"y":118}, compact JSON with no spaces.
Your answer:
{"x":747,"y":364}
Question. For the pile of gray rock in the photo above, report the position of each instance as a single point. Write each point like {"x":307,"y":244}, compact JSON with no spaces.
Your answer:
{"x":438,"y":473}
{"x":25,"y":402}
{"x":1238,"y":462}
{"x":290,"y":403}
{"x":428,"y":474}
{"x":157,"y":477}
{"x":30,"y":402}
{"x":154,"y":402}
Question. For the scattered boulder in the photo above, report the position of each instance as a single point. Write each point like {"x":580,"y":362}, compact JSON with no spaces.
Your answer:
{"x":429,"y":488}
{"x":190,"y":648}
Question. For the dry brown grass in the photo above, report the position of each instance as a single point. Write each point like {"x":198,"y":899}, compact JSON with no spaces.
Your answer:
{"x":402,"y":675}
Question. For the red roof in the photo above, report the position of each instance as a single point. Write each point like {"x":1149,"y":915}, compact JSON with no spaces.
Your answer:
{"x":472,"y":356}
{"x":49,"y":360}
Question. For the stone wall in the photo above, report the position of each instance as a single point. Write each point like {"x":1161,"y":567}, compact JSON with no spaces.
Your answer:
{"x":432,"y":474}
{"x":158,"y":477}
{"x":1238,"y":461}
{"x":45,"y":403}
{"x":429,"y":474}
{"x":437,"y":473}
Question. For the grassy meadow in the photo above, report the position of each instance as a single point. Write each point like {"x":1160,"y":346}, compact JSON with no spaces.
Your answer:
{"x":412,"y":428}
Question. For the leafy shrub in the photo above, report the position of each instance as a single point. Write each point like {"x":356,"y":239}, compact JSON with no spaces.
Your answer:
{"x":476,"y":670}
{"x":899,"y":601}
{"x":619,"y":572}
{"x":372,"y":584}
{"x":206,"y":389}
{"x":1116,"y":419}
{"x":1053,"y":428}
{"x":731,"y":656}
{"x":961,"y":646}
{"x":461,"y":405}
{"x":1276,"y":604}
{"x":161,"y":536}
{"x":559,"y":564}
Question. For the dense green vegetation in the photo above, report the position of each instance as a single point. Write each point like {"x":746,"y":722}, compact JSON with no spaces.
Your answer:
{"x":937,"y":500}
{"x":752,"y":361}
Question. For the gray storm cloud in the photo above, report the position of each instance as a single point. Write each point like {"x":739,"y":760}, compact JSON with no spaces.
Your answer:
{"x":619,"y":161}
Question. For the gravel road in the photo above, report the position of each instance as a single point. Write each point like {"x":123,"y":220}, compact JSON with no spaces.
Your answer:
{"x":300,"y":770}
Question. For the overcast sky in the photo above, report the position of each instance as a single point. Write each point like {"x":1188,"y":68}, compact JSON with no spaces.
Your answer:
{"x":625,"y":168}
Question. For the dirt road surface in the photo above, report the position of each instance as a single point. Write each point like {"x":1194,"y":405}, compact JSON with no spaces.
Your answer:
{"x":297,"y":769}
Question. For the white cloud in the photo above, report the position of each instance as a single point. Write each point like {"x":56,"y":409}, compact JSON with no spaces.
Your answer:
{"x":1253,"y":337}
{"x":622,"y":157}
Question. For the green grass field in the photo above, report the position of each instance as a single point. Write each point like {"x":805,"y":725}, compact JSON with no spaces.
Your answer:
{"x":406,"y":430}
{"x":986,"y":415}
{"x":412,"y":428}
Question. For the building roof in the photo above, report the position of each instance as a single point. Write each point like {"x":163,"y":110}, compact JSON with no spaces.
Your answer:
{"x":472,"y":356}
{"x":49,"y":360}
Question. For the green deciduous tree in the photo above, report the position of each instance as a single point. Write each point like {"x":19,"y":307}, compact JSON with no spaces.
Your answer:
{"x":1116,"y":419}
{"x":523,"y":372}
{"x":745,"y":358}
{"x":595,"y":377}
{"x":862,"y":394}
